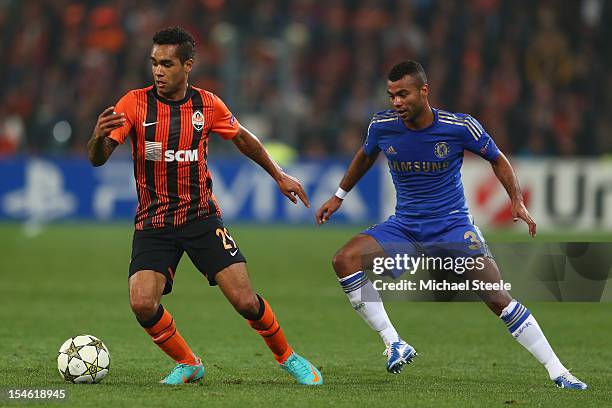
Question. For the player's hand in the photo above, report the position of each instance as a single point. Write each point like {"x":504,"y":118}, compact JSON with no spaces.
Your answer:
{"x":520,"y":211}
{"x":291,"y":187}
{"x":108,"y":121}
{"x":327,"y":209}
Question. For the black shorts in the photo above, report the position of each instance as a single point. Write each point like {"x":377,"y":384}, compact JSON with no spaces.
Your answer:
{"x":207,"y":243}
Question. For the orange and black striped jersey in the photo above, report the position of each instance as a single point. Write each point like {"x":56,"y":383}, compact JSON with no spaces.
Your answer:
{"x":170,"y":151}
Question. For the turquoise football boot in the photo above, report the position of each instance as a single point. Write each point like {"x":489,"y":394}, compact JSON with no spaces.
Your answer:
{"x":301,"y":369}
{"x":185,"y":373}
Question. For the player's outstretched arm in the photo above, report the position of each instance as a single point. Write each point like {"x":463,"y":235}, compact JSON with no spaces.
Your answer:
{"x":359,"y":166}
{"x":100,"y":147}
{"x":506,"y":175}
{"x":251,"y":147}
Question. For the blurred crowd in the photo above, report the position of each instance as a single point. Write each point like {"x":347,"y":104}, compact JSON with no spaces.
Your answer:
{"x":309,"y":74}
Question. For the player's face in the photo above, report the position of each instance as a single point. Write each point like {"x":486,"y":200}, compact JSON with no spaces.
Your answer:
{"x":408,"y":97}
{"x":169,"y":74}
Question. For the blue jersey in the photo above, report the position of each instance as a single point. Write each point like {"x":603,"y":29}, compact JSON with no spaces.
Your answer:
{"x":426,"y":164}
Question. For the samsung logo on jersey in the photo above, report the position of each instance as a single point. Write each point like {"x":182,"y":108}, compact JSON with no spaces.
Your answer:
{"x":418,"y":166}
{"x":181,"y":155}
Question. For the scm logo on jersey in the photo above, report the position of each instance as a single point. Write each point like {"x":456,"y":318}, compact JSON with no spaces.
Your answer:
{"x":197,"y":119}
{"x":181,"y":155}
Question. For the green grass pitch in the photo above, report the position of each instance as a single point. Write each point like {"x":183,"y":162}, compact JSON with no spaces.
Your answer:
{"x":72,"y":279}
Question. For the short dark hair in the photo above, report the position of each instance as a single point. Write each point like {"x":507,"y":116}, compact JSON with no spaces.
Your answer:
{"x":177,"y":36}
{"x":408,"y":67}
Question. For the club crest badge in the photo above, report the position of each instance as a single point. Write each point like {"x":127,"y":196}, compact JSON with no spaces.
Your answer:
{"x":441,"y":150}
{"x":197,"y":120}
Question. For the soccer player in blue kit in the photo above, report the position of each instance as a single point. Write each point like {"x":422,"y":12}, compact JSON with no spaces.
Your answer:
{"x":424,"y":147}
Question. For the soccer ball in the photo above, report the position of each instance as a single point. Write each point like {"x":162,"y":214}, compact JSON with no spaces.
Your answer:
{"x":83,"y":359}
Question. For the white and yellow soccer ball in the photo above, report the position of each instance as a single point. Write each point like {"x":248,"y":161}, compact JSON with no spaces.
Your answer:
{"x":83,"y":359}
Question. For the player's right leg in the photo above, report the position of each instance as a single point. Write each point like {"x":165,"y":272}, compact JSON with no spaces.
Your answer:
{"x":365,"y":299}
{"x":154,"y":257}
{"x":146,"y":288}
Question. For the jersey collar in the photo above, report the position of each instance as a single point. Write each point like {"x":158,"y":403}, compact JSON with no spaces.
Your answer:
{"x":435,"y":120}
{"x":188,"y":95}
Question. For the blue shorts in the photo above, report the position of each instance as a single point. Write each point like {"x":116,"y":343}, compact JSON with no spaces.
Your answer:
{"x":453,"y":236}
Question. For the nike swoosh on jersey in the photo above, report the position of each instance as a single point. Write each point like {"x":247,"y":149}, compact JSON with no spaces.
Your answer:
{"x":234,"y":252}
{"x":145,"y":124}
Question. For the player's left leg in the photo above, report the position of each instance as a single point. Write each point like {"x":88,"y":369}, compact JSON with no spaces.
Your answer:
{"x":522,"y":325}
{"x":235,"y":284}
{"x":215,"y":253}
{"x":467,"y":241}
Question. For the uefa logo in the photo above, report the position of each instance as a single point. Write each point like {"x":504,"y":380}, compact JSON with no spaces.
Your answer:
{"x":197,"y":120}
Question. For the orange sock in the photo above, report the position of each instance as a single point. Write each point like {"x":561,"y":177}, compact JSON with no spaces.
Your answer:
{"x":165,"y":334}
{"x":268,"y":328}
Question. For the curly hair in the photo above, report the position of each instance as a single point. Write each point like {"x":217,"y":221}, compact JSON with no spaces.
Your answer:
{"x":177,"y":36}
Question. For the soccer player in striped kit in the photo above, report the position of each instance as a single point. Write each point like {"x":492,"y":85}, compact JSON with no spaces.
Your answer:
{"x":168,"y":124}
{"x":424,"y":149}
